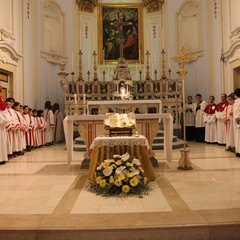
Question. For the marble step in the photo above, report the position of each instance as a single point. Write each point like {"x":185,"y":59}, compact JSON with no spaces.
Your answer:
{"x":175,"y":145}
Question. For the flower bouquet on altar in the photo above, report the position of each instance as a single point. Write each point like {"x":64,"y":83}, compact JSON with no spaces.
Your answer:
{"x":120,"y":176}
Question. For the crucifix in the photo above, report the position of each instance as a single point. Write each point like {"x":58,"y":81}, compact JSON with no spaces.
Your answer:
{"x":184,"y":162}
{"x":120,"y":25}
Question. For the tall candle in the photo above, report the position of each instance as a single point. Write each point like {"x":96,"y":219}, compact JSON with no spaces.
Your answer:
{"x":108,"y":73}
{"x":169,"y":60}
{"x":84,"y":99}
{"x":162,"y":39}
{"x":72,"y":62}
{"x":139,"y":55}
{"x":75,"y":98}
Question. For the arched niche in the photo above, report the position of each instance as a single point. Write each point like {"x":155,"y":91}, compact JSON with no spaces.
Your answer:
{"x":53,"y":32}
{"x":189,"y":28}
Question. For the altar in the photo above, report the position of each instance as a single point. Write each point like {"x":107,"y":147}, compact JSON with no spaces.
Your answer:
{"x":91,"y":126}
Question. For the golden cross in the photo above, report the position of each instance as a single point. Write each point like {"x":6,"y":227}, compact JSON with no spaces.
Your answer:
{"x":182,"y":58}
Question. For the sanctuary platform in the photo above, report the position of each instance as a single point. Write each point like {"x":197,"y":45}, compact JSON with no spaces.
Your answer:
{"x":44,"y":198}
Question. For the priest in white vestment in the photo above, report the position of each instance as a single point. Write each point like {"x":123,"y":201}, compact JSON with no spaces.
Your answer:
{"x":49,"y":118}
{"x":199,"y":120}
{"x":221,"y":133}
{"x":229,"y":123}
{"x":190,"y":119}
{"x":236,"y":116}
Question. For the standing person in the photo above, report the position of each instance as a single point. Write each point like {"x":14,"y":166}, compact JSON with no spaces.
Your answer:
{"x":221,"y":133}
{"x":49,"y":118}
{"x":199,"y":121}
{"x":41,"y":128}
{"x":229,"y":123}
{"x":190,"y":119}
{"x":210,"y":121}
{"x":236,"y":116}
{"x":3,"y":133}
{"x":58,"y":119}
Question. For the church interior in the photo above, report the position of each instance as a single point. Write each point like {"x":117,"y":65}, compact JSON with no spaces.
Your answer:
{"x":99,"y":56}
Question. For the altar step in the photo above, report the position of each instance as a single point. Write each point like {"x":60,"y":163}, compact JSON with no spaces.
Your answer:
{"x":158,"y":143}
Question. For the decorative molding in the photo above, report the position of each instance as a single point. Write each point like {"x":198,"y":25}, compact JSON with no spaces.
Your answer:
{"x":54,"y":58}
{"x":215,"y":8}
{"x":233,"y":52}
{"x":153,"y":5}
{"x":6,"y":36}
{"x":86,"y":31}
{"x":8,"y":54}
{"x":154,"y":31}
{"x":235,"y":34}
{"x":28,"y":9}
{"x":87,"y":5}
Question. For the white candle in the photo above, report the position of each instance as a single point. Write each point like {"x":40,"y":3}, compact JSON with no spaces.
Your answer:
{"x":72,"y":62}
{"x":84,"y":99}
{"x":108,"y":73}
{"x":88,"y":54}
{"x":80,"y":33}
{"x":169,"y":59}
{"x":136,"y":73}
{"x":139,"y":55}
{"x":162,"y":39}
{"x":75,"y":98}
{"x":155,"y":58}
{"x":103,"y":58}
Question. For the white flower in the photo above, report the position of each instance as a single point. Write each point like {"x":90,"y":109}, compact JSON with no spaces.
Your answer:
{"x":134,"y":171}
{"x":107,"y":171}
{"x":120,"y":169}
{"x":109,"y":160}
{"x":99,"y":167}
{"x":125,"y":157}
{"x":136,"y":162}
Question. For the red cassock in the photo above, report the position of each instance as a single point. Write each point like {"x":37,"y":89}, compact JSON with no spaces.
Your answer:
{"x":210,"y":108}
{"x":3,"y":104}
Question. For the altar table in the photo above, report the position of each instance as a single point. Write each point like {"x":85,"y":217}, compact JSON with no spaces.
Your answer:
{"x":137,"y":146}
{"x":90,"y":126}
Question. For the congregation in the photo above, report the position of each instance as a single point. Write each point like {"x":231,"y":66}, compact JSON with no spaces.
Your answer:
{"x":215,"y":123}
{"x":23,"y":129}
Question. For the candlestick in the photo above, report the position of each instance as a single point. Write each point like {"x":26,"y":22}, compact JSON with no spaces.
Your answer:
{"x":162,"y":39}
{"x":72,"y":62}
{"x":169,"y":60}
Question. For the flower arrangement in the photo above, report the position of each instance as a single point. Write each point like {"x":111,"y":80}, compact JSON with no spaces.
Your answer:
{"x":120,"y":176}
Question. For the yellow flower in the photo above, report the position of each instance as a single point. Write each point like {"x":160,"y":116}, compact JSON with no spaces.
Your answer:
{"x":141,"y":169}
{"x":98,"y":179}
{"x":118,"y":182}
{"x":118,"y":162}
{"x":122,"y":177}
{"x":129,"y":175}
{"x":145,"y":180}
{"x":116,"y":156}
{"x":111,"y":179}
{"x":103,"y":183}
{"x":134,"y":181}
{"x":125,"y":188}
{"x":129,"y":164}
{"x":105,"y":164}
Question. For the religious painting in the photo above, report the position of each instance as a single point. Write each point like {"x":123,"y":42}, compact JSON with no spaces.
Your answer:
{"x":120,"y":33}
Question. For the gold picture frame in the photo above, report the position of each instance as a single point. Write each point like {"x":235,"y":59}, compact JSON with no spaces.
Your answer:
{"x":120,"y":23}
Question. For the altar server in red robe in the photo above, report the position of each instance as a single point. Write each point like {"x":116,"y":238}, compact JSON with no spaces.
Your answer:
{"x":210,"y":121}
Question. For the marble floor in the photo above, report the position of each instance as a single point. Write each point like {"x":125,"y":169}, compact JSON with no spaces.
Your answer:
{"x":42,"y":197}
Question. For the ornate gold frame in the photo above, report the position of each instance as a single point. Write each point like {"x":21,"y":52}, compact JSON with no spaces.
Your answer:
{"x":100,"y":32}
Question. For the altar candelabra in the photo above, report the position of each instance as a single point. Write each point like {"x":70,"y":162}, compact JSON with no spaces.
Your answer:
{"x":163,"y":64}
{"x":184,"y":162}
{"x":95,"y":76}
{"x":80,"y":78}
{"x":147,"y":77}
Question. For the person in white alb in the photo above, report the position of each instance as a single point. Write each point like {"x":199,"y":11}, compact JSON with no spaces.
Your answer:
{"x":190,"y":119}
{"x":58,"y":119}
{"x":49,"y":118}
{"x":229,"y":123}
{"x":236,"y":117}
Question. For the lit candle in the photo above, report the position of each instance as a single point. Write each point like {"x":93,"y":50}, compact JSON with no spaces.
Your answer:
{"x":72,"y":61}
{"x":75,"y":98}
{"x":84,"y":99}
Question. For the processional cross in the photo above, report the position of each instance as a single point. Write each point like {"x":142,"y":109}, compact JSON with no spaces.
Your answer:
{"x":120,"y":25}
{"x":184,"y":163}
